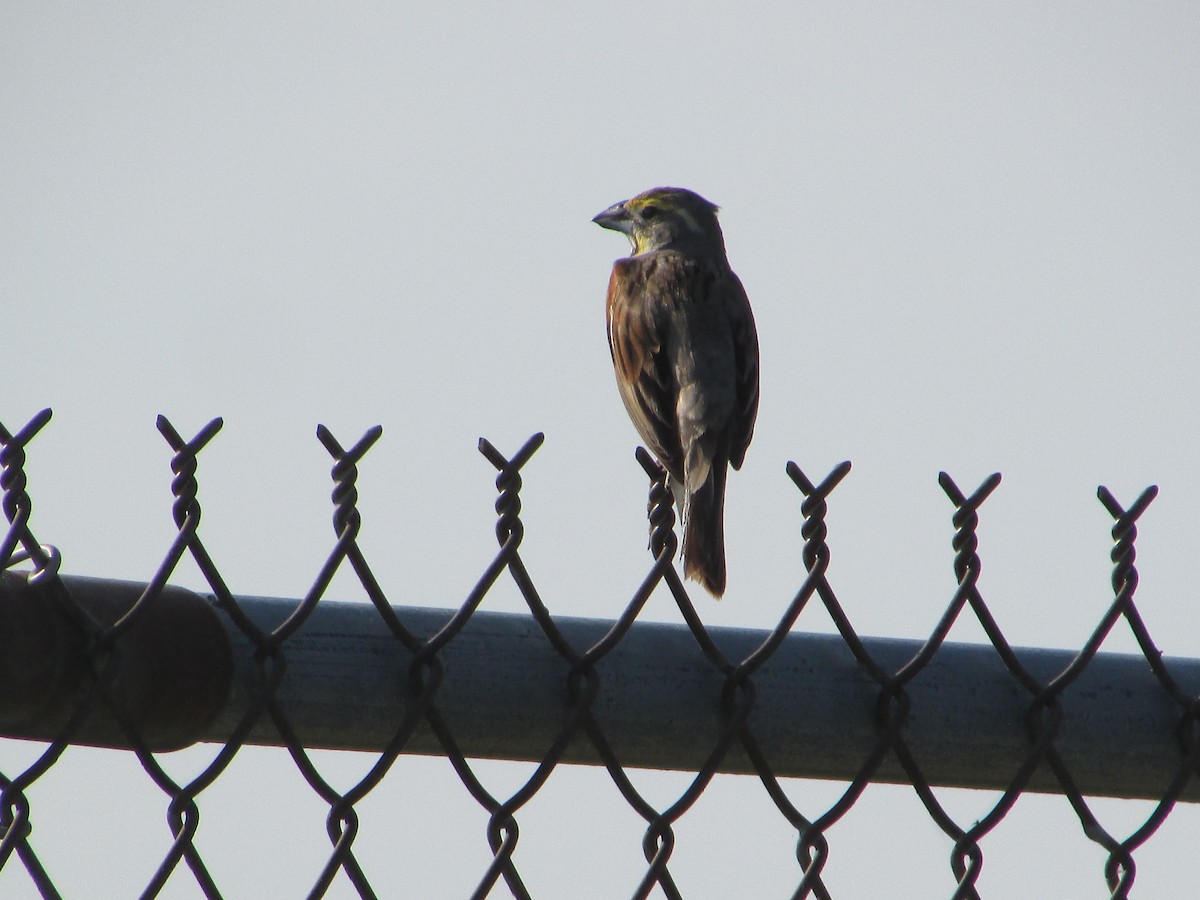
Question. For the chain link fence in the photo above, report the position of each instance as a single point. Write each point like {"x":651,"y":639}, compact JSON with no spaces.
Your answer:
{"x":151,"y":667}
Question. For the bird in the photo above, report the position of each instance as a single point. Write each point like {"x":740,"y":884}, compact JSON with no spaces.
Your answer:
{"x":685,"y":351}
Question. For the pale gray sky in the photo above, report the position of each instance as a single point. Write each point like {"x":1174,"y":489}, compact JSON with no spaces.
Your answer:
{"x":970,"y":238}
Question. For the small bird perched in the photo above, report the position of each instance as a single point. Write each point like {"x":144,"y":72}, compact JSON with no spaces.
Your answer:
{"x":685,"y":351}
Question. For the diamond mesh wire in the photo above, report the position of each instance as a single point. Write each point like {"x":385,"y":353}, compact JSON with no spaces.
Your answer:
{"x":101,"y":650}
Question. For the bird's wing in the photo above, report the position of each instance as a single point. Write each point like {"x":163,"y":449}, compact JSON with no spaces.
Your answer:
{"x":637,"y":323}
{"x":745,"y":347}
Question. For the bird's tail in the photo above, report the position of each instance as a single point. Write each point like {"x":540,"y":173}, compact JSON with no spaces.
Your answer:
{"x":704,"y":532}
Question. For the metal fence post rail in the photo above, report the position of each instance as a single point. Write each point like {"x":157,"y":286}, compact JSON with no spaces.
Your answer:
{"x":175,"y":666}
{"x":151,"y":667}
{"x":349,"y":682}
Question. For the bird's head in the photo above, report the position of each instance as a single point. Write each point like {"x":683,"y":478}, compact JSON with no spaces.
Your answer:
{"x":666,"y":218}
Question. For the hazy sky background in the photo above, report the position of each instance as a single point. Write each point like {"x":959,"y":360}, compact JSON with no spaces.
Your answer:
{"x":969,"y":235}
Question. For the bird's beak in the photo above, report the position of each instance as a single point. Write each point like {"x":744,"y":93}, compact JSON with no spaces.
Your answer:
{"x":615,"y":218}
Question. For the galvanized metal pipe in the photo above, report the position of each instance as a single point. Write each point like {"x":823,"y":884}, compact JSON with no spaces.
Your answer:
{"x":504,"y":694}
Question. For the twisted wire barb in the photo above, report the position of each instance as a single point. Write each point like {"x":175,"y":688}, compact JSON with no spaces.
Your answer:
{"x":16,"y":827}
{"x":502,"y":830}
{"x":812,"y":848}
{"x":183,"y":812}
{"x":341,"y":821}
{"x":1119,"y":867}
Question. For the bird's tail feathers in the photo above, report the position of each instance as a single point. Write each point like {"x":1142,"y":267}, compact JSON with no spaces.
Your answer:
{"x":704,"y":532}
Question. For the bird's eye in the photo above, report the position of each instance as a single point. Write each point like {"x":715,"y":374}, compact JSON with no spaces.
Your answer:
{"x":649,"y":212}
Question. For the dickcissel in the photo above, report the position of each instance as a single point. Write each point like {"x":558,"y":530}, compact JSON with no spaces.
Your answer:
{"x":685,"y":350}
